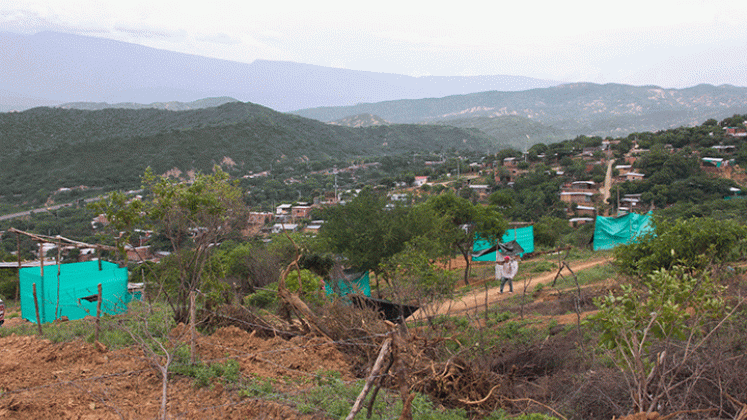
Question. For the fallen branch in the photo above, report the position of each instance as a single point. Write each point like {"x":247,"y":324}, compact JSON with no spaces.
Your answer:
{"x":538,"y":403}
{"x":297,"y":304}
{"x":371,"y":378}
{"x":468,"y":402}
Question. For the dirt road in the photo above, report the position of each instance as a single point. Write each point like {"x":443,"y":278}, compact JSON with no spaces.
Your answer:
{"x":477,"y":298}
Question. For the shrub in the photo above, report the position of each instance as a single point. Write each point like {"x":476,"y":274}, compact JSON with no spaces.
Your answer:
{"x":262,"y":298}
{"x":692,"y":243}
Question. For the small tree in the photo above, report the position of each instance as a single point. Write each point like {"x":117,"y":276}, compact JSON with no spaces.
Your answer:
{"x":655,"y":330}
{"x":460,"y":221}
{"x":153,"y":332}
{"x":414,"y":275}
{"x":193,"y":216}
{"x":368,"y":230}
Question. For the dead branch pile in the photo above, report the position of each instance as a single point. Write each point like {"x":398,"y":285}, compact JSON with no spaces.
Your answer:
{"x":458,"y":383}
{"x":244,"y":318}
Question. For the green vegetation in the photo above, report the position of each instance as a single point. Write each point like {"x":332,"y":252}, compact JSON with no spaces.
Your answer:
{"x":696,"y":243}
{"x":671,"y":306}
{"x":46,"y":149}
{"x":206,"y":374}
{"x":673,"y":300}
{"x":596,"y":274}
{"x":333,"y":397}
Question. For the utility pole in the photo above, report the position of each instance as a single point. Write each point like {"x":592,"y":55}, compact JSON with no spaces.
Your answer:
{"x":336,"y":197}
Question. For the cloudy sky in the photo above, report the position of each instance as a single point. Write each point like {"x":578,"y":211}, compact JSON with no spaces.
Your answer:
{"x":668,"y":43}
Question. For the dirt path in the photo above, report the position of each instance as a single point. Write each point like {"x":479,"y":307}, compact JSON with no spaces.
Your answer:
{"x":477,"y":298}
{"x":607,"y":182}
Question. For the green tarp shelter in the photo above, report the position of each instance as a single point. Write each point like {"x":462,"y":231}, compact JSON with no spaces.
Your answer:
{"x":350,"y":283}
{"x":612,"y":231}
{"x":78,"y":291}
{"x":524,"y":236}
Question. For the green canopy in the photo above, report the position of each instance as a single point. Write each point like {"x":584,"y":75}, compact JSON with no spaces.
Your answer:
{"x":612,"y":231}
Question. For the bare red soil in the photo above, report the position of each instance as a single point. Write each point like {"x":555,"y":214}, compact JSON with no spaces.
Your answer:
{"x":75,"y":380}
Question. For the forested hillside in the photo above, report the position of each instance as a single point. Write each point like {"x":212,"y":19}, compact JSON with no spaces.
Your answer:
{"x":45,"y":148}
{"x":518,"y":132}
{"x":578,"y":109}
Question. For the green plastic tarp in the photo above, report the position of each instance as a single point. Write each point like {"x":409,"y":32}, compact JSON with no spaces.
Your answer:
{"x":612,"y":231}
{"x":524,"y":236}
{"x":355,"y":283}
{"x":78,"y":291}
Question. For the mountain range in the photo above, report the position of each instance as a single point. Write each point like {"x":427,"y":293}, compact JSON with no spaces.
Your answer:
{"x":560,"y":111}
{"x":50,"y":68}
{"x":87,"y":73}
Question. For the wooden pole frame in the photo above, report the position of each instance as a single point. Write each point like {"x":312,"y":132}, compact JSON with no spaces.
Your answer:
{"x":18,"y":244}
{"x":98,"y":311}
{"x":36,"y":306}
{"x":192,"y":322}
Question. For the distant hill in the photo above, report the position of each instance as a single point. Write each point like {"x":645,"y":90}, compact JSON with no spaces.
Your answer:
{"x":13,"y":101}
{"x":518,"y":132}
{"x":48,"y":148}
{"x":59,"y":68}
{"x":362,"y":120}
{"x":581,"y":108}
{"x":170,"y":106}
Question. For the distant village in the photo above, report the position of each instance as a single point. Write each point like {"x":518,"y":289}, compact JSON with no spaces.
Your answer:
{"x":585,"y":199}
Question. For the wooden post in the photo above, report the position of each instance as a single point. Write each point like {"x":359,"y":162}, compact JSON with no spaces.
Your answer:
{"x":98,"y":256}
{"x":36,"y":306}
{"x":41,"y":258}
{"x":18,"y":290}
{"x":57,"y":308}
{"x":98,"y":313}
{"x":192,"y":316}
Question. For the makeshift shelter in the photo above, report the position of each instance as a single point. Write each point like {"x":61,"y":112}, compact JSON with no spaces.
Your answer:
{"x":612,"y":231}
{"x":483,"y":250}
{"x":355,"y":288}
{"x":349,"y":283}
{"x":77,"y":294}
{"x":395,"y":312}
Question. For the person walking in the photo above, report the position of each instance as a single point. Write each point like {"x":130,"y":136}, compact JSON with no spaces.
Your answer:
{"x":509,"y":268}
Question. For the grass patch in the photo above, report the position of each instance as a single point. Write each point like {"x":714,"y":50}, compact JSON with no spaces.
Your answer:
{"x":596,"y":274}
{"x":207,"y":374}
{"x":541,"y":267}
{"x":333,"y":397}
{"x":113,"y":328}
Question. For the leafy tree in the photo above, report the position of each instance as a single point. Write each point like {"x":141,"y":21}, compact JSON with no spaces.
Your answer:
{"x":124,"y":214}
{"x":368,"y":230}
{"x":416,"y":277}
{"x":194,"y":217}
{"x":734,"y":121}
{"x":250,"y":265}
{"x":548,"y":230}
{"x":460,"y":221}
{"x":502,"y":199}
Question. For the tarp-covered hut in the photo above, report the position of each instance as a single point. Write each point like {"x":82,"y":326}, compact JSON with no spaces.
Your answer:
{"x":612,"y":231}
{"x":483,"y":250}
{"x":78,"y":290}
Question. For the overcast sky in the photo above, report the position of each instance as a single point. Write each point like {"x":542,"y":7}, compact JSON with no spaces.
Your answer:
{"x":667,"y":43}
